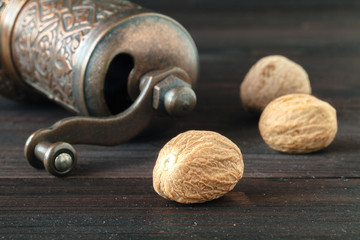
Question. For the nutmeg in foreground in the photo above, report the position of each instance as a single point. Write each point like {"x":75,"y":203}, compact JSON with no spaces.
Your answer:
{"x":270,"y":78}
{"x":197,"y":166}
{"x":298,"y":123}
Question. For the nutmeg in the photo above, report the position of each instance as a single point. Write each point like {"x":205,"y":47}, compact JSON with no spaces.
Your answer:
{"x":197,"y":166}
{"x":298,"y":123}
{"x":270,"y":78}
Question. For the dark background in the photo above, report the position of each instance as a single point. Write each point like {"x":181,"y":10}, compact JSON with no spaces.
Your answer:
{"x":110,"y":196}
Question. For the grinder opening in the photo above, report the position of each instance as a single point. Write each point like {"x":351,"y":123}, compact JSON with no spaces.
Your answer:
{"x":115,"y":87}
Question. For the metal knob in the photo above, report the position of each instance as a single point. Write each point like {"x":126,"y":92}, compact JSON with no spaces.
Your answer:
{"x":174,"y":96}
{"x":58,"y":158}
{"x":180,"y":101}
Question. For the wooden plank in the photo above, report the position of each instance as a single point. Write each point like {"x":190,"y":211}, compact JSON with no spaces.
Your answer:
{"x":137,"y":158}
{"x":129,"y":208}
{"x":229,"y":5}
{"x":300,"y":20}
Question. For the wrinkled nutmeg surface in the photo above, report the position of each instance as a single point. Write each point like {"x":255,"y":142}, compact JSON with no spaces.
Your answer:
{"x":298,"y":123}
{"x":197,"y":166}
{"x":270,"y":78}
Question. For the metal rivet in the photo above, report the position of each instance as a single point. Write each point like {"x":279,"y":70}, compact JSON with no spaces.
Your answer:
{"x":63,"y":162}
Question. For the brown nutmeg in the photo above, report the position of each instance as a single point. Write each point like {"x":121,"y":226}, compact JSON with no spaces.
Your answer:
{"x":270,"y":78}
{"x":197,"y":166}
{"x":298,"y":123}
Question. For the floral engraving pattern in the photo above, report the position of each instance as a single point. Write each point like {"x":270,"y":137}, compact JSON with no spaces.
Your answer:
{"x":47,"y":37}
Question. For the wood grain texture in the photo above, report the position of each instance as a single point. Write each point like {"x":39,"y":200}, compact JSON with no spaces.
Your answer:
{"x":110,"y":194}
{"x":130,"y":209}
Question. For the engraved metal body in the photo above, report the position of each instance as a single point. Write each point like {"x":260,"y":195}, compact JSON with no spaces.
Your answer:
{"x":95,"y":58}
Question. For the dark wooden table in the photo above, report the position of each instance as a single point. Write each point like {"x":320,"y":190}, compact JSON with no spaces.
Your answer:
{"x":110,"y":194}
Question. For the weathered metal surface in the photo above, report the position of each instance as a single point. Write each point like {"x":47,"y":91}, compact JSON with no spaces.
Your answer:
{"x":65,"y":49}
{"x":11,"y":86}
{"x":47,"y":37}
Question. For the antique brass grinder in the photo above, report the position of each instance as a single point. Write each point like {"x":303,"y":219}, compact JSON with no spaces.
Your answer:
{"x":112,"y":61}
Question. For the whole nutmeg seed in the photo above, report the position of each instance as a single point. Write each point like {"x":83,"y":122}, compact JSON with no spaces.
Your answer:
{"x":270,"y":78}
{"x":197,"y":166}
{"x":298,"y":123}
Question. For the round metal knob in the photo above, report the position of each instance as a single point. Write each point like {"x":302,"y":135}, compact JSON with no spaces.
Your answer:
{"x":180,"y":101}
{"x":174,"y":96}
{"x":58,"y":158}
{"x":63,"y":162}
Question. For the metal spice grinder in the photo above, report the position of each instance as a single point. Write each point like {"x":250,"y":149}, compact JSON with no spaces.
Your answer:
{"x":113,"y":62}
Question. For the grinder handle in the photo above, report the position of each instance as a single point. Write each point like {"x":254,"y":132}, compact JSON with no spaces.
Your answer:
{"x":51,"y":147}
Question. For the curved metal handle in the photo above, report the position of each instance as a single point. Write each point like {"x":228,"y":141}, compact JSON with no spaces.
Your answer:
{"x":50,"y":147}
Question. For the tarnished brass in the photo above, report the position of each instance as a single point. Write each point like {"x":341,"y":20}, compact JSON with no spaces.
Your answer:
{"x":111,"y":61}
{"x":174,"y":96}
{"x":11,"y":84}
